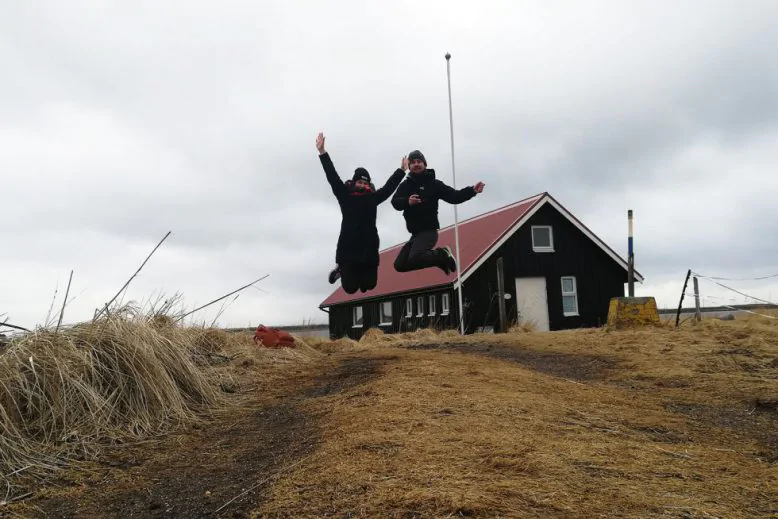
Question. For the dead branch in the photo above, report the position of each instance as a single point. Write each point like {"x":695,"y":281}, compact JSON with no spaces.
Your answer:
{"x":105,"y":308}
{"x":221,"y":311}
{"x":14,"y":327}
{"x":222,"y":297}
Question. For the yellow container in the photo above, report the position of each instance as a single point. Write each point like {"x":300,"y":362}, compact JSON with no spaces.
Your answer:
{"x":628,"y":312}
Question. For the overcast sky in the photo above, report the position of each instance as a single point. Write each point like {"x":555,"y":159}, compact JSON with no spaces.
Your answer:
{"x":122,"y":121}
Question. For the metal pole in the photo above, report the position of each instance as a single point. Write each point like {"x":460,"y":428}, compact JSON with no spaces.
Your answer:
{"x":501,"y":296}
{"x":454,"y":177}
{"x":631,"y":256}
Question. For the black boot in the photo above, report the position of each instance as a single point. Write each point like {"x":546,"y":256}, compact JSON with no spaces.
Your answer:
{"x":443,"y":261}
{"x":451,"y":263}
{"x":334,"y":274}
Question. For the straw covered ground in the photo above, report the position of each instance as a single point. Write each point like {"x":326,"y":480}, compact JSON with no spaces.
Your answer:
{"x":653,"y":422}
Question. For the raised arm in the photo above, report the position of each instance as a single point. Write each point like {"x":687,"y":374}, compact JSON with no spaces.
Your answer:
{"x":338,"y":188}
{"x":387,"y":189}
{"x":457,"y":196}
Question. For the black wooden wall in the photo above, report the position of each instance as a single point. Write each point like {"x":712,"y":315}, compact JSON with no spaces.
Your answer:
{"x":598,"y":276}
{"x":341,"y":316}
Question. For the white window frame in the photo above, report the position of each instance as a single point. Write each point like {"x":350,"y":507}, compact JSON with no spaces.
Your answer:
{"x":409,"y":307}
{"x":445,"y":308}
{"x":432,"y":304}
{"x":541,"y":248}
{"x":354,"y":311}
{"x":420,"y":306}
{"x":382,"y":316}
{"x":574,"y":294}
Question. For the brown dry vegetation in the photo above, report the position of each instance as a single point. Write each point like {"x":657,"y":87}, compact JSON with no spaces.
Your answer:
{"x":654,"y":422}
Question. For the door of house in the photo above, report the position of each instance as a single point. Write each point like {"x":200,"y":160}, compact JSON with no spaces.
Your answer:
{"x":532,"y":302}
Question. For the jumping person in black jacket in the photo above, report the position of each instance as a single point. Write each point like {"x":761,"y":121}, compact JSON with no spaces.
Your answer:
{"x":357,"y":250}
{"x":417,"y":197}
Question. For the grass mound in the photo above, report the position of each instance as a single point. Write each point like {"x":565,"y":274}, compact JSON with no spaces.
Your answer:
{"x":375,"y":337}
{"x":118,"y":379}
{"x":338,"y":345}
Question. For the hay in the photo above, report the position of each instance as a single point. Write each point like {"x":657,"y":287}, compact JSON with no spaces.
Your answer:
{"x":449,"y":334}
{"x":343,"y":344}
{"x":372,"y":336}
{"x":62,"y":395}
{"x":423,"y":334}
{"x":522,"y":328}
{"x":247,"y":356}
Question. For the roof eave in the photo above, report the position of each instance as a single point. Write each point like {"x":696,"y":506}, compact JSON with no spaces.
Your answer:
{"x":390,"y":294}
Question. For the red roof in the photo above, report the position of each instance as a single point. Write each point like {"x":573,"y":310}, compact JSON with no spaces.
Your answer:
{"x":476,"y":236}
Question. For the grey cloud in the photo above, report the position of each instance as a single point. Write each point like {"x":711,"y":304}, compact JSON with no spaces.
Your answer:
{"x":121,"y":124}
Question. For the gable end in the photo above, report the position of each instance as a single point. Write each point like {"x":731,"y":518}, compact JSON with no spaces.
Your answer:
{"x":546,"y":199}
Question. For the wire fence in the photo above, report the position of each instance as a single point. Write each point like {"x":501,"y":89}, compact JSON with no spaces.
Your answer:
{"x":747,"y":302}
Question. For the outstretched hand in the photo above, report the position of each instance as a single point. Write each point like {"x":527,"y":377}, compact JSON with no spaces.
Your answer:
{"x":404,"y":164}
{"x":320,"y":143}
{"x":479,"y":187}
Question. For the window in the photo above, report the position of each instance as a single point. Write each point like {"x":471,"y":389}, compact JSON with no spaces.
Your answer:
{"x":444,"y":304}
{"x":409,"y":307}
{"x":542,"y":238}
{"x":386,"y":313}
{"x":420,"y":306}
{"x":357,"y":313}
{"x":569,"y":296}
{"x":432,"y":305}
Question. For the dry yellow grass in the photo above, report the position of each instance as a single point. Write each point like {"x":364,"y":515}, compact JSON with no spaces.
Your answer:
{"x":658,"y":422}
{"x":65,"y":396}
{"x":447,"y":434}
{"x":116,"y":379}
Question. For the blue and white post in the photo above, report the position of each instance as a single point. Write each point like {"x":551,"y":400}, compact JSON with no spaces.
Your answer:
{"x":631,"y":258}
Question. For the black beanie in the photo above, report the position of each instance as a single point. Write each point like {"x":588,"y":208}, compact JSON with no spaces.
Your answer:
{"x":416,"y":154}
{"x":361,"y":174}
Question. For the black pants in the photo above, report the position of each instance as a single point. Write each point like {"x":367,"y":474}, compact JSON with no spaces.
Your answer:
{"x":419,"y":252}
{"x":358,"y":277}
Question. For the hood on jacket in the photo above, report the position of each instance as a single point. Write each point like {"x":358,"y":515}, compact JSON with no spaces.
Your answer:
{"x":425,"y":176}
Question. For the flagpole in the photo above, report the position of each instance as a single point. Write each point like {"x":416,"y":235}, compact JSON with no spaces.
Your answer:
{"x":454,"y":176}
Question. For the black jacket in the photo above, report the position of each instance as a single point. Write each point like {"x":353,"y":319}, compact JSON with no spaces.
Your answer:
{"x":424,"y":216}
{"x":358,"y":242}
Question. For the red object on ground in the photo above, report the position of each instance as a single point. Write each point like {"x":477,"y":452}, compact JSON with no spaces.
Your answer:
{"x":272,"y":337}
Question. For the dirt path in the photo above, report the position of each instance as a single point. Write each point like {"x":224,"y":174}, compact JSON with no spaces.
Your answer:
{"x":224,"y":465}
{"x":576,"y":367}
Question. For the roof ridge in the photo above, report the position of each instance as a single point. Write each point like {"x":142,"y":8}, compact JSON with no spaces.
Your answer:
{"x":495,"y":211}
{"x":478,"y":216}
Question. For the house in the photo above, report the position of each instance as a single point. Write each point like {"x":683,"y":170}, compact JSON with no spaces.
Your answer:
{"x":556,"y":275}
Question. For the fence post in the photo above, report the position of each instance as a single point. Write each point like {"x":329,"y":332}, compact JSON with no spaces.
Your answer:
{"x":697,"y":312}
{"x":680,"y":303}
